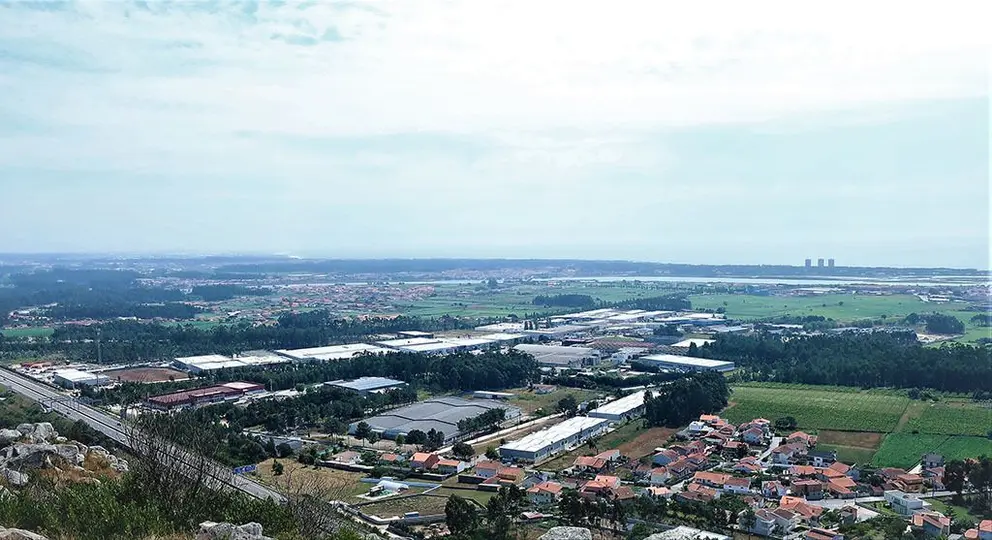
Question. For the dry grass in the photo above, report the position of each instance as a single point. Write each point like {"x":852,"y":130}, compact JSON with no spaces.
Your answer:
{"x":336,"y":484}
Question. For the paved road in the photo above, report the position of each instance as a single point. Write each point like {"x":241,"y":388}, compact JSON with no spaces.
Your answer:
{"x":112,"y":428}
{"x":776,"y":441}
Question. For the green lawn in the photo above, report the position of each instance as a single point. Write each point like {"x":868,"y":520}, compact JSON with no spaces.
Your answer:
{"x":531,"y":401}
{"x":816,"y":409}
{"x":905,"y":449}
{"x":34,"y":331}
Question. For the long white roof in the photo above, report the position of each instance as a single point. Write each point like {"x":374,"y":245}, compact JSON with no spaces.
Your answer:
{"x":685,"y":360}
{"x":554,"y":434}
{"x":622,"y":405}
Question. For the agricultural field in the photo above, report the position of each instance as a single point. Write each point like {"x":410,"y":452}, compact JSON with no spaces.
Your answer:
{"x":851,"y":446}
{"x":476,"y":301}
{"x":840,"y":307}
{"x":905,"y":449}
{"x":816,"y":409}
{"x":147,"y":374}
{"x":951,"y":418}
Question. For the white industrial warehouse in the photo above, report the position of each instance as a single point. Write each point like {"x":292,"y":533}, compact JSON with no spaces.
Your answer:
{"x":685,"y":363}
{"x":74,"y":378}
{"x":333,"y":352}
{"x":621,"y":409}
{"x":561,"y":356}
{"x":555,"y":439}
{"x":211,"y":362}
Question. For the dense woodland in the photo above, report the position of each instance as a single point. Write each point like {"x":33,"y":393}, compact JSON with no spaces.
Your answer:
{"x":867,"y":360}
{"x":683,"y":400}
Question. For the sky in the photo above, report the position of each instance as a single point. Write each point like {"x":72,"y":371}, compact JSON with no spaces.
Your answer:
{"x":691,"y":132}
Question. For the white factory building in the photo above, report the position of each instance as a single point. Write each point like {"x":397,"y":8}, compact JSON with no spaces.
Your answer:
{"x":212,"y":362}
{"x":621,"y":409}
{"x":332,"y":352}
{"x":559,"y":438}
{"x":560,"y":356}
{"x":673,"y":362}
{"x":74,"y":378}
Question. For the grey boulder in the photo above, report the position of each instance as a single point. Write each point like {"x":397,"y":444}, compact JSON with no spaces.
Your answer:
{"x":228,"y":531}
{"x":567,"y":533}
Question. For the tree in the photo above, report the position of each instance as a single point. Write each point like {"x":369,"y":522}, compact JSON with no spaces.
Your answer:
{"x":571,"y":508}
{"x":415,"y":436}
{"x":567,"y":405}
{"x":363,"y":431}
{"x":461,"y":516}
{"x":748,"y":519}
{"x":399,"y":440}
{"x":435,"y":440}
{"x":786,"y":423}
{"x":277,"y":468}
{"x":373,"y":438}
{"x":284,"y":450}
{"x":492,"y":453}
{"x":463,"y":451}
{"x":955,"y":474}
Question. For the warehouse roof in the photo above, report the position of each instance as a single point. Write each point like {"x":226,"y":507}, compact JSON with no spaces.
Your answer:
{"x":622,"y":405}
{"x":437,"y":346}
{"x":686,"y":343}
{"x":442,"y":414}
{"x":366,"y":384}
{"x":406,"y":342}
{"x":333,"y":352}
{"x":76,"y":375}
{"x":687,"y":361}
{"x":559,"y":432}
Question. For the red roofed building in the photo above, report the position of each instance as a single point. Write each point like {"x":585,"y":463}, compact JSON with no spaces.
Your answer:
{"x":545,"y":493}
{"x":424,"y":461}
{"x":589,"y":464}
{"x":932,"y":524}
{"x":982,"y":532}
{"x":823,"y":534}
{"x":802,"y":437}
{"x":715,"y":480}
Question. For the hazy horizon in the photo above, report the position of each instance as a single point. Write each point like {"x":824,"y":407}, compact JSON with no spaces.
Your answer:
{"x":768,"y":134}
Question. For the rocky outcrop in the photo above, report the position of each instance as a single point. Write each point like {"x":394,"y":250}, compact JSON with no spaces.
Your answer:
{"x":19,"y":534}
{"x":227,"y":531}
{"x":567,"y":533}
{"x":30,"y":447}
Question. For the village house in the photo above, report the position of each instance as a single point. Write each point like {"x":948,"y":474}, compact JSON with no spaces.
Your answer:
{"x":934,"y":478}
{"x":423,"y":461}
{"x":748,"y":465}
{"x":710,"y":419}
{"x":931,"y":460}
{"x":736,"y":485}
{"x":801,"y":437}
{"x":734,"y":448}
{"x":600,"y":486}
{"x":451,"y":466}
{"x":610,"y":455}
{"x":545,"y":493}
{"x":932,"y":524}
{"x":904,"y":504}
{"x":788,"y":453}
{"x":714,"y":480}
{"x":811,"y":489}
{"x":754,"y":436}
{"x":773,"y":489}
{"x":665,"y":457}
{"x":681,"y":468}
{"x":842,"y":488}
{"x":390,"y":459}
{"x":823,"y":534}
{"x":348,"y":457}
{"x":821,"y":458}
{"x":808,"y":512}
{"x":909,"y":483}
{"x":802,"y":471}
{"x":659,"y":476}
{"x":707,"y":493}
{"x":487,"y":469}
{"x":982,"y":532}
{"x":698,"y":460}
{"x":658,"y":492}
{"x":697,"y":428}
{"x":849,"y":515}
{"x":785,"y":519}
{"x":505,"y":476}
{"x":591,"y":464}
{"x":764,"y":523}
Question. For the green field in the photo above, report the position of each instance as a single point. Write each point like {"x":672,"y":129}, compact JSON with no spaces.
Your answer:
{"x":468,"y":300}
{"x":904,"y":449}
{"x":951,"y":418}
{"x":816,"y":409}
{"x":840,"y":307}
{"x":849,"y":454}
{"x":35,"y":331}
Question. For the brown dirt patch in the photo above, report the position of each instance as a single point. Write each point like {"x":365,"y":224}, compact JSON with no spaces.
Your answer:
{"x":858,"y":439}
{"x":147,"y":375}
{"x":645,"y":443}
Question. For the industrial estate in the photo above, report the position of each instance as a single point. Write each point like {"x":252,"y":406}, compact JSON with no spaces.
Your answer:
{"x":664,"y":402}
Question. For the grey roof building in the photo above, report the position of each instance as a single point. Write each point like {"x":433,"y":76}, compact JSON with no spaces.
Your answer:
{"x":441,"y":414}
{"x":367,"y":385}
